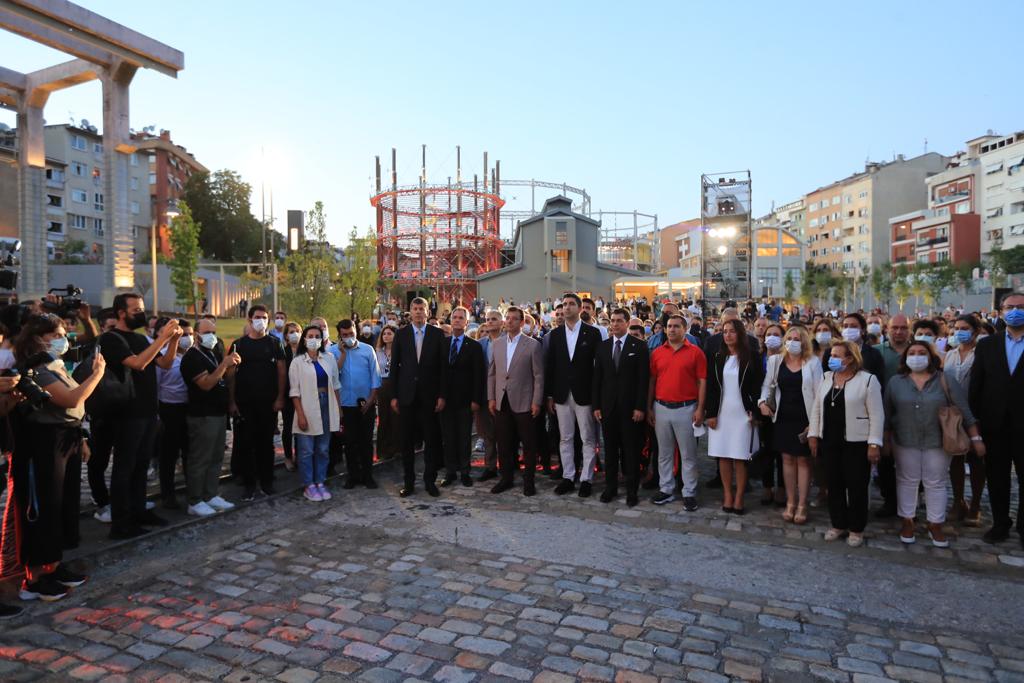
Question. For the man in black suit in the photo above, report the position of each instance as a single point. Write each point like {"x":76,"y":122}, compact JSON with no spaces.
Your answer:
{"x":568,"y":374}
{"x":419,"y":368}
{"x":467,"y":391}
{"x":621,"y":374}
{"x":995,"y":393}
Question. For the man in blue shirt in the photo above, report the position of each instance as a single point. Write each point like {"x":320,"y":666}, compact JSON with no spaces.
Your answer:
{"x":359,"y":377}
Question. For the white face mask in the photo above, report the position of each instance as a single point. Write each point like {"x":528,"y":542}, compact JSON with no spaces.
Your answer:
{"x":312,"y":343}
{"x":367,"y":330}
{"x":773,"y":341}
{"x":823,"y":337}
{"x":279,"y":323}
{"x":527,"y":329}
{"x":185,"y":343}
{"x":293,"y":337}
{"x":917,"y":363}
{"x":874,"y":328}
{"x":794,"y":346}
{"x":259,"y":324}
{"x":925,"y":338}
{"x":349,"y":342}
{"x":208,"y":340}
{"x":851,"y":334}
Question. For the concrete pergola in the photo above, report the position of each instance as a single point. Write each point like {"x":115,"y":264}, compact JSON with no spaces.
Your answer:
{"x":104,"y":51}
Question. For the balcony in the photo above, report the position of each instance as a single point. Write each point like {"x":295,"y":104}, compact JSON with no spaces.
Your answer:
{"x":946,"y":198}
{"x":57,"y":183}
{"x":929,"y":241}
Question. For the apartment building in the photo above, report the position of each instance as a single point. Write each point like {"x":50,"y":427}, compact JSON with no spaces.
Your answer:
{"x":848,"y":225}
{"x":80,"y":213}
{"x":949,"y":229}
{"x":1001,"y":160}
{"x":676,"y":248}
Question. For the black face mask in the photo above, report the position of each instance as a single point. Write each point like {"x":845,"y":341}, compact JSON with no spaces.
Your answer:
{"x":136,"y":321}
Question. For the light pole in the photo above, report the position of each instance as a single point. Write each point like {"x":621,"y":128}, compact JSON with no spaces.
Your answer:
{"x":170,"y":212}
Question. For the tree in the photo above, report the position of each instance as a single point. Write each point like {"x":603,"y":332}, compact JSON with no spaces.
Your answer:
{"x":901,"y":285}
{"x":1005,"y":262}
{"x":862,"y":282}
{"x":789,"y":285}
{"x":963,"y":275}
{"x":917,"y":280}
{"x":184,"y":262}
{"x":359,"y":279}
{"x":936,"y":279}
{"x":311,"y":275}
{"x":882,"y":283}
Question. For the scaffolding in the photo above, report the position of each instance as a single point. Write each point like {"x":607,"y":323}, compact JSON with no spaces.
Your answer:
{"x":439,"y":237}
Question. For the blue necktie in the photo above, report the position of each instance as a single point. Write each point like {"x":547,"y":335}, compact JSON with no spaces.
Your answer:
{"x":454,"y":351}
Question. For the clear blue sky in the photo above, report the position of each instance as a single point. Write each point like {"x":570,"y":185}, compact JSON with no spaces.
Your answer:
{"x":631,"y":100}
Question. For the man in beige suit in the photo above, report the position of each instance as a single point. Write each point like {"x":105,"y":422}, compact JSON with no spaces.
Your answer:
{"x":515,"y":392}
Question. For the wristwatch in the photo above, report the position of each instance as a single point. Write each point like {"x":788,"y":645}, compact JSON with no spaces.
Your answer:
{"x":976,"y":438}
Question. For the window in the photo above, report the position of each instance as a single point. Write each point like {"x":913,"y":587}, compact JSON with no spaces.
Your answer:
{"x":78,"y":169}
{"x":134,"y":183}
{"x":1017,"y":207}
{"x":849,"y":199}
{"x":813,"y":223}
{"x":98,"y":201}
{"x":1017,"y":230}
{"x":152,"y":178}
{"x":994,"y":212}
{"x":862,"y":229}
{"x":55,"y":174}
{"x":863,"y":195}
{"x":96,"y":172}
{"x":560,"y":260}
{"x":80,"y":196}
{"x":836,"y":200}
{"x":942,"y":256}
{"x":97,"y":147}
{"x":135,"y":208}
{"x":922,"y":257}
{"x":78,"y":142}
{"x":97,"y":226}
{"x":994,"y":168}
{"x":562,"y":233}
{"x":849,"y":214}
{"x":963,"y":207}
{"x":835,"y":216}
{"x":862,"y":213}
{"x":56,"y":227}
{"x":54,"y":200}
{"x":1013,"y":164}
{"x":864,"y":247}
{"x":767,"y":251}
{"x":76,"y":221}
{"x":944,"y":211}
{"x":134,"y":159}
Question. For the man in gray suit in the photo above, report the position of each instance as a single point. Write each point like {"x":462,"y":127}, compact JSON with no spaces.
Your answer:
{"x":515,"y":393}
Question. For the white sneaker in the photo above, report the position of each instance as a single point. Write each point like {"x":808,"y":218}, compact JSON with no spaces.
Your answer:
{"x":219,"y":504}
{"x":201,"y":509}
{"x":102,"y":514}
{"x":150,"y":504}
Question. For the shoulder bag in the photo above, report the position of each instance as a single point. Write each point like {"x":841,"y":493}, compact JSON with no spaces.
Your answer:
{"x":954,"y":437}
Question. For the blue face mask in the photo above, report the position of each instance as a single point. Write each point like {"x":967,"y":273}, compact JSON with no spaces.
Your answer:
{"x":58,"y":347}
{"x":835,"y":365}
{"x":963,"y":336}
{"x":1015,"y":318}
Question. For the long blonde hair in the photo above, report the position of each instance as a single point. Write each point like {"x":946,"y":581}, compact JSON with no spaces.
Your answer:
{"x":806,"y":344}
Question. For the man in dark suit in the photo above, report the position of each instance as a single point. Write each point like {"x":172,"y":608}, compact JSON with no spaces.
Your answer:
{"x":996,"y":389}
{"x":467,"y":390}
{"x":621,"y":375}
{"x":419,"y":367}
{"x":568,"y":376}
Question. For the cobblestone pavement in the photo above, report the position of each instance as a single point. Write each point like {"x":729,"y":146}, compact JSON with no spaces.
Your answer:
{"x":472,"y":586}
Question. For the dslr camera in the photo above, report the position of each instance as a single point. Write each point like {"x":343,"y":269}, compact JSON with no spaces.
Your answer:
{"x":35,"y":395}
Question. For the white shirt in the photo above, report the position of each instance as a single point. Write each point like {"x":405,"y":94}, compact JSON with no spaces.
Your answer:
{"x":571,"y":336}
{"x":513,"y":342}
{"x":602,"y":330}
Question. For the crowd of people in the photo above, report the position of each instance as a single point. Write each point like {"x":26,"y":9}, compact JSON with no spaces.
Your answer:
{"x":561,"y":389}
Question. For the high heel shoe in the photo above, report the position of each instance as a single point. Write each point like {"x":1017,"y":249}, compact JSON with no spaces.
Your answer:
{"x":787,"y":516}
{"x":801,"y":515}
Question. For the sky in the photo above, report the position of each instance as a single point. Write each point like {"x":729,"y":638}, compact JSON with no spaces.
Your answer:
{"x":632,"y":101}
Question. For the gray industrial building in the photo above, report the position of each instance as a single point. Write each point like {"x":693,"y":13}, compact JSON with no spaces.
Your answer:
{"x":555,"y":251}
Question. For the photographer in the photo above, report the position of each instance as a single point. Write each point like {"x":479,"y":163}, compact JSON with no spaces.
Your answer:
{"x":49,"y":449}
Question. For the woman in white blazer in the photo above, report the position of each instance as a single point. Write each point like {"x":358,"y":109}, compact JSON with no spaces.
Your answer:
{"x":314,"y":391}
{"x":846,"y":430}
{"x":792,"y":379}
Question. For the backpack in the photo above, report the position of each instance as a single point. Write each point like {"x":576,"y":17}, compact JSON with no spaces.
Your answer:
{"x":114,"y":391}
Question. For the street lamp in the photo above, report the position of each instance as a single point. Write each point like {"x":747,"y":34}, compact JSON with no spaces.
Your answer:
{"x":171,"y":212}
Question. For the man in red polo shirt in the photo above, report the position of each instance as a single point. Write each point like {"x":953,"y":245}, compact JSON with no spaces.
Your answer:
{"x":675,"y":406}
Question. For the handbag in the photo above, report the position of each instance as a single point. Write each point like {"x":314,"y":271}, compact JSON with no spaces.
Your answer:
{"x":771,"y":401}
{"x":951,"y":420}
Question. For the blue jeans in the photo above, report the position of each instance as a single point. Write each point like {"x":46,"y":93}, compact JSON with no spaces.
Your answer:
{"x":313,"y":451}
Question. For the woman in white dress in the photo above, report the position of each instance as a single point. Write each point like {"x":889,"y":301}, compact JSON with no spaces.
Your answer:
{"x":733,"y":388}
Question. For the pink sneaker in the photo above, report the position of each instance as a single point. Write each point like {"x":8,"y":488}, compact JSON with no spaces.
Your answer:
{"x":324,"y":493}
{"x":312,"y":493}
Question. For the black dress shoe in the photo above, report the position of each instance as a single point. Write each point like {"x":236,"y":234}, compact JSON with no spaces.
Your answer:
{"x":727,"y":510}
{"x":632,"y":499}
{"x":150,"y":518}
{"x":529,"y":490}
{"x":487,"y":475}
{"x":585,"y":489}
{"x":996,"y":534}
{"x":738,"y":511}
{"x":370,"y":483}
{"x":608,"y":495}
{"x":564,"y":487}
{"x":466,"y":479}
{"x":431,"y":488}
{"x":407,"y":491}
{"x":502,"y":486}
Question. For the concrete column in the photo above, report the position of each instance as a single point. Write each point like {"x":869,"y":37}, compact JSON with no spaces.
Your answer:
{"x":32,"y":282}
{"x":118,"y":259}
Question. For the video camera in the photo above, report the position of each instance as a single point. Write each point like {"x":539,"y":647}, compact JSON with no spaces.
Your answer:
{"x":70,"y":301}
